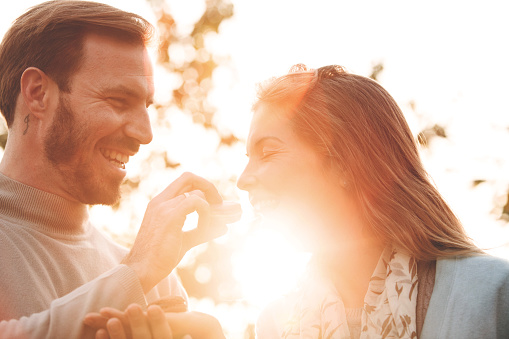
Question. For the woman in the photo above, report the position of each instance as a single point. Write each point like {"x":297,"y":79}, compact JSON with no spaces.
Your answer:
{"x":332,"y":159}
{"x":331,"y":154}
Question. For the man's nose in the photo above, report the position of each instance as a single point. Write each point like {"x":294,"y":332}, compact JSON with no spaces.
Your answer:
{"x":138,"y":126}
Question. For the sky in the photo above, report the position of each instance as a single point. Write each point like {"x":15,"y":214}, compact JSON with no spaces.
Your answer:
{"x":449,"y":57}
{"x":445,"y":62}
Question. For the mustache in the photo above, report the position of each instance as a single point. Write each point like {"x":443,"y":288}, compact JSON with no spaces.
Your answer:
{"x":128,"y":143}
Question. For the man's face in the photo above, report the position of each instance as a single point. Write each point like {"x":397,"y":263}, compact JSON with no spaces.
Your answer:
{"x":102,"y":121}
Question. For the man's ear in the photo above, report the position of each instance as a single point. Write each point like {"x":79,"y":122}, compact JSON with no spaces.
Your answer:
{"x":37,"y":91}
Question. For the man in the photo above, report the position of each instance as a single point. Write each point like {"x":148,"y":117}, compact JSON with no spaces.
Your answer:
{"x":75,"y":84}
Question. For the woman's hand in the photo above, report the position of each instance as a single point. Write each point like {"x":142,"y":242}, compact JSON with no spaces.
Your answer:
{"x":133,"y":323}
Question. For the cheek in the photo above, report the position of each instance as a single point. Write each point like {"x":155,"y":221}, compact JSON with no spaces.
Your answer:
{"x":276,"y":176}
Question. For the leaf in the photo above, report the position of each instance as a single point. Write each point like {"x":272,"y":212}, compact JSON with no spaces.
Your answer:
{"x":405,"y":281}
{"x":324,"y":306}
{"x":403,"y":320}
{"x":399,"y":273}
{"x":369,"y":308}
{"x":329,"y":336}
{"x":397,"y":265}
{"x":407,"y":318}
{"x":399,"y":290}
{"x":385,"y":263}
{"x":413,"y":267}
{"x":387,"y":326}
{"x":412,"y":289}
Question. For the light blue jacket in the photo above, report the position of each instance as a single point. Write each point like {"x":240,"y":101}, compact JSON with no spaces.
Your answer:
{"x":470,"y":299}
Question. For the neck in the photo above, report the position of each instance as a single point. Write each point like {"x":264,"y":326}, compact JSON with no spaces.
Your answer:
{"x":350,"y":268}
{"x":24,"y":162}
{"x":41,"y":210}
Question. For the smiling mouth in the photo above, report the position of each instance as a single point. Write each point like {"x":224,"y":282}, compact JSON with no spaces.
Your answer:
{"x":116,"y":158}
{"x":265,"y":205}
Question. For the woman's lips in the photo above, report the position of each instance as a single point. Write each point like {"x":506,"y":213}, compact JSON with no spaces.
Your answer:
{"x":264,"y":204}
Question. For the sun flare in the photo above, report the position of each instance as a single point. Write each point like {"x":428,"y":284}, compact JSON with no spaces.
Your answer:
{"x":267,"y":266}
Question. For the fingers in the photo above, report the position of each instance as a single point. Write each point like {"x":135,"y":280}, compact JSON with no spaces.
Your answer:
{"x":202,"y":235}
{"x":158,"y":323}
{"x":109,"y":312}
{"x":207,"y":229}
{"x":194,"y":202}
{"x":116,"y":329}
{"x":140,"y":325}
{"x":161,"y":242}
{"x":198,"y":193}
{"x":102,"y":334}
{"x":138,"y":322}
{"x":189,"y":182}
{"x":197,"y":325}
{"x":95,"y":320}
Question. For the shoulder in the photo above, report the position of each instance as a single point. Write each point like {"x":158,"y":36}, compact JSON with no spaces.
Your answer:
{"x":479,"y":270}
{"x":470,"y":299}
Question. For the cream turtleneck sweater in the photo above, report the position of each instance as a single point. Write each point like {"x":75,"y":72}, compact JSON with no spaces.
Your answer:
{"x":56,"y":267}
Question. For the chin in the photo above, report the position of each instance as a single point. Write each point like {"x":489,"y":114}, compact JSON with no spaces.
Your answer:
{"x":96,"y":198}
{"x":100,"y":194}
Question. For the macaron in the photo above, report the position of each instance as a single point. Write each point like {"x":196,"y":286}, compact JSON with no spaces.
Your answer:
{"x":226,"y":213}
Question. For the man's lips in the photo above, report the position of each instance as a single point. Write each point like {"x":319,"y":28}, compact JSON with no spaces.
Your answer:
{"x":114,"y":157}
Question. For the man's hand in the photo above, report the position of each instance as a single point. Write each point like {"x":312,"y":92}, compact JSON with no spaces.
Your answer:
{"x":133,"y":323}
{"x":161,"y":243}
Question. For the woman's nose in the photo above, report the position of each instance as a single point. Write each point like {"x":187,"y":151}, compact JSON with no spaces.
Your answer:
{"x":246,"y":179}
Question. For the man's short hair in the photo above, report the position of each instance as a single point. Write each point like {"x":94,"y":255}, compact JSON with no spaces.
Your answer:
{"x":50,"y":36}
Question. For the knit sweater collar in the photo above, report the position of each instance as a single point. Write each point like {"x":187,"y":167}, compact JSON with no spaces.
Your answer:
{"x":39,"y":209}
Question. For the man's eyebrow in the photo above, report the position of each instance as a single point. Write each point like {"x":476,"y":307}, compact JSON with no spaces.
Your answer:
{"x":128,"y":91}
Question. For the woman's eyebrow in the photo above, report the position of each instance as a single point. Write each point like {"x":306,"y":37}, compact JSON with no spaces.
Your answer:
{"x":267,"y":138}
{"x":262,"y":140}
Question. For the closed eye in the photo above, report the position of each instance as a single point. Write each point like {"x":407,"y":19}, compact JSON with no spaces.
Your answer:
{"x":268,"y":154}
{"x":118,"y":102}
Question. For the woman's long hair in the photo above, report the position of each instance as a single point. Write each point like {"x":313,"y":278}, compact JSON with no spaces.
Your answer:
{"x":360,"y":130}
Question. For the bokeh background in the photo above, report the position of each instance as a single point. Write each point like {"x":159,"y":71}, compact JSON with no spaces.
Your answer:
{"x":445,"y":63}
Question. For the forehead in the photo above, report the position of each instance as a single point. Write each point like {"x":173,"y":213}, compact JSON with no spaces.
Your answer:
{"x":106,"y":60}
{"x":273,"y":121}
{"x":269,"y":119}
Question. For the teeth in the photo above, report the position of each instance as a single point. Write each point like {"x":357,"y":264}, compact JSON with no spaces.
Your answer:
{"x":260,"y":205}
{"x":116,"y":158}
{"x":118,"y":164}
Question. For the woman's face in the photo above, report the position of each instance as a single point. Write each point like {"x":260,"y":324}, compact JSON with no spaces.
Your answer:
{"x":288,"y":181}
